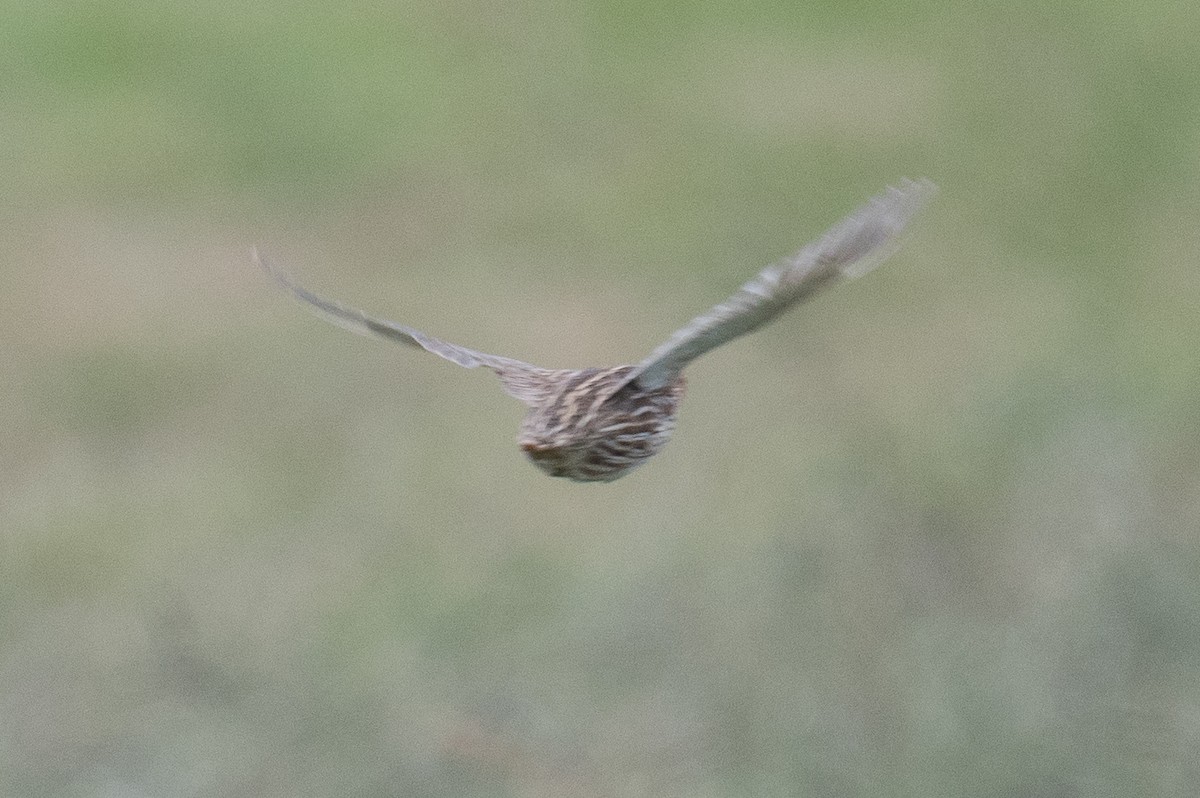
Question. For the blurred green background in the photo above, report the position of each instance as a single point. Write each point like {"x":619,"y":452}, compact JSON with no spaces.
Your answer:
{"x":932,"y":535}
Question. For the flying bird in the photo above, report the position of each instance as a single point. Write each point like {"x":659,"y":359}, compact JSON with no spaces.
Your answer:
{"x":597,"y":424}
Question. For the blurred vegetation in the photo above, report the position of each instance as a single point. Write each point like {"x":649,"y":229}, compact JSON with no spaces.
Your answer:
{"x":934,"y":535}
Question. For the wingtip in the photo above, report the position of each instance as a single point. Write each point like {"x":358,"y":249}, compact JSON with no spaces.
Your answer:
{"x":922,"y":183}
{"x":258,"y":260}
{"x":890,"y":213}
{"x":278,"y":276}
{"x":256,"y":257}
{"x":901,"y":202}
{"x":916,"y":193}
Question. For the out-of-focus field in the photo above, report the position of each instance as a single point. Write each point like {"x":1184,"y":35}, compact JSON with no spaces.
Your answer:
{"x":936,"y":534}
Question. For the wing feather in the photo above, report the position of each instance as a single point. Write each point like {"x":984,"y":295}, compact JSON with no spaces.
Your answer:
{"x":525,"y":382}
{"x":850,"y":248}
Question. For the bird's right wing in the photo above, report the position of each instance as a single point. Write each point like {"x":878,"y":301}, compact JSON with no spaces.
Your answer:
{"x":850,"y":248}
{"x":530,"y":384}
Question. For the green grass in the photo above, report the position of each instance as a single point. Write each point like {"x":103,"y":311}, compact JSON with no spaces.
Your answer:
{"x":934,"y":535}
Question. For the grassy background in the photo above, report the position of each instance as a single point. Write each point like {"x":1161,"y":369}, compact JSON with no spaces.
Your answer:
{"x":934,"y":535}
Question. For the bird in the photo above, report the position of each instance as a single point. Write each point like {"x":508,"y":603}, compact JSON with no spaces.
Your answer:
{"x":598,"y":424}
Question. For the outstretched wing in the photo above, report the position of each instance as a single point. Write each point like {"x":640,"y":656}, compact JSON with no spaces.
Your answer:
{"x":530,"y":384}
{"x":850,"y":248}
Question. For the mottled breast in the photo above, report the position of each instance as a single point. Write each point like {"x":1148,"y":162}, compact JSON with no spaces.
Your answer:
{"x":587,"y":433}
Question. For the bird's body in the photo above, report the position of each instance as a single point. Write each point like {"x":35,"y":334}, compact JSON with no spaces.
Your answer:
{"x":597,"y":424}
{"x":590,"y":432}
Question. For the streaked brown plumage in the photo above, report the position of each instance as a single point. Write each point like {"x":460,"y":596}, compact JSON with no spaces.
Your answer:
{"x":595,"y":425}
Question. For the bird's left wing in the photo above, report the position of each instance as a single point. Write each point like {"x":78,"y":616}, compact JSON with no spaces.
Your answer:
{"x":530,"y":384}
